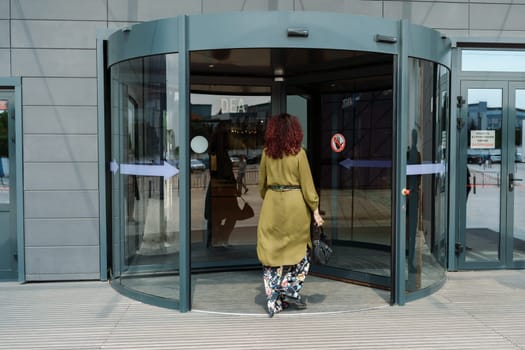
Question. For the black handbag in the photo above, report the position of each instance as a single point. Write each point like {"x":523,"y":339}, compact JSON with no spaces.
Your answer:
{"x":246,"y":212}
{"x":321,"y":252}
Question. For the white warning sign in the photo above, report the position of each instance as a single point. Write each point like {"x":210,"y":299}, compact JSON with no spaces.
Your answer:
{"x":482,"y":139}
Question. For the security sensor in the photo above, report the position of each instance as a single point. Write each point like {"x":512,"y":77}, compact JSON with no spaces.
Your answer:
{"x":126,"y":29}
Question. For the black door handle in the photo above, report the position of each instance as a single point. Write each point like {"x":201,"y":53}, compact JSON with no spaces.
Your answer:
{"x":511,"y":181}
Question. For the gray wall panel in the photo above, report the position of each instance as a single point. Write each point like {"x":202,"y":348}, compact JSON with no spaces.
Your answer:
{"x":62,"y":260}
{"x":59,"y":9}
{"x":430,"y":14}
{"x":113,"y":25}
{"x":58,"y":63}
{"x":4,"y":34}
{"x":61,"y":232}
{"x":145,"y":10}
{"x":356,"y":7}
{"x":55,"y":34}
{"x":60,"y":120}
{"x":499,"y":1}
{"x":61,"y":204}
{"x":209,"y":6}
{"x":5,"y":63}
{"x":60,"y":148}
{"x":61,"y":176}
{"x":498,"y":35}
{"x":63,"y":277}
{"x":60,"y":91}
{"x":458,"y":33}
{"x":4,"y":9}
{"x":495,"y":17}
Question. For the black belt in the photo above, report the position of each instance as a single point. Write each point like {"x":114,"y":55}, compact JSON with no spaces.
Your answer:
{"x":282,"y":188}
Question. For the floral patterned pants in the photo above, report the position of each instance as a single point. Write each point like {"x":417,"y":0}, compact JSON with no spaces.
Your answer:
{"x":284,"y":280}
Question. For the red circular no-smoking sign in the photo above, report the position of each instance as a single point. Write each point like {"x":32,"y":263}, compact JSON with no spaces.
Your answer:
{"x":338,"y":143}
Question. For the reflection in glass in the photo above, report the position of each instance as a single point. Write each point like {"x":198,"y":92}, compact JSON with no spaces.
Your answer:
{"x":356,"y":182}
{"x":225,"y":200}
{"x":426,"y":220}
{"x":484,"y":125}
{"x":4,"y":152}
{"x":519,"y":173}
{"x":145,"y":198}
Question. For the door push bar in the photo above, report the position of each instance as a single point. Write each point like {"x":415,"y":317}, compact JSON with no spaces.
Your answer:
{"x":511,"y":181}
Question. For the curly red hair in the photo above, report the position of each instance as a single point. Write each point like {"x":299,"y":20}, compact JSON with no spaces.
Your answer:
{"x":283,"y":136}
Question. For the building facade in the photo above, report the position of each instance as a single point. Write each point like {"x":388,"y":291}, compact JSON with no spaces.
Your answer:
{"x":56,"y":89}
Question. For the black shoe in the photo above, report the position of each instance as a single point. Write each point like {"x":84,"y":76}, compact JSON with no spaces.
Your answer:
{"x":296,"y":302}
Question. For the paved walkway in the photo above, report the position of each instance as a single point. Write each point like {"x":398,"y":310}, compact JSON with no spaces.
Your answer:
{"x":474,"y":310}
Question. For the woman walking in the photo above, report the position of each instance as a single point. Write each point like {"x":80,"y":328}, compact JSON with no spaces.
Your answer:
{"x":289,"y":199}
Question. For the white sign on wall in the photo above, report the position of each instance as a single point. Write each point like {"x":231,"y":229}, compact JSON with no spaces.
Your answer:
{"x":233,"y":105}
{"x":483,"y":139}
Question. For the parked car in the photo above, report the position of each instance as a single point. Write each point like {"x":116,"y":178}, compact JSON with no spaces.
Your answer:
{"x":197,"y":165}
{"x":234,"y":160}
{"x":495,"y":156}
{"x":476,"y":156}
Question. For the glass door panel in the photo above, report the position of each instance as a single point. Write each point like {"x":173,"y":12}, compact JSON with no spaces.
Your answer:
{"x":145,"y":175}
{"x":494,"y":233}
{"x":8,"y":243}
{"x":4,"y":151}
{"x":426,"y":214}
{"x":226,"y":141}
{"x":484,"y":129}
{"x":356,"y":181}
{"x":517,"y":162}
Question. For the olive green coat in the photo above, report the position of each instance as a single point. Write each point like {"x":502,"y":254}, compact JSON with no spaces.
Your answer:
{"x":283,"y":232}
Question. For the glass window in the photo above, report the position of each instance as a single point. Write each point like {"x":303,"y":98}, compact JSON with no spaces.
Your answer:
{"x":492,"y":61}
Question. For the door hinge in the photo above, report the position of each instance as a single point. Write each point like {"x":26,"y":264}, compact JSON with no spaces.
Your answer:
{"x":461,"y":101}
{"x":460,"y":122}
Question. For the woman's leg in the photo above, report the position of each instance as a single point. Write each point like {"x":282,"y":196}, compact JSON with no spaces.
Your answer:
{"x":277,"y":285}
{"x":292,"y":283}
{"x":272,"y":286}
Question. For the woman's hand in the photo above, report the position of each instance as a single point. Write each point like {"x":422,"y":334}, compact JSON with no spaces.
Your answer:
{"x":317,"y":217}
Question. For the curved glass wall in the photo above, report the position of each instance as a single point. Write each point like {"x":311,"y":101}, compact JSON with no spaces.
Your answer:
{"x":335,"y":92}
{"x":144,"y":167}
{"x":427,"y":167}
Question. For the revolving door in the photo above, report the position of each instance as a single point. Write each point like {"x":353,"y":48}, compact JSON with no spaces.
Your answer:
{"x":187,"y":131}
